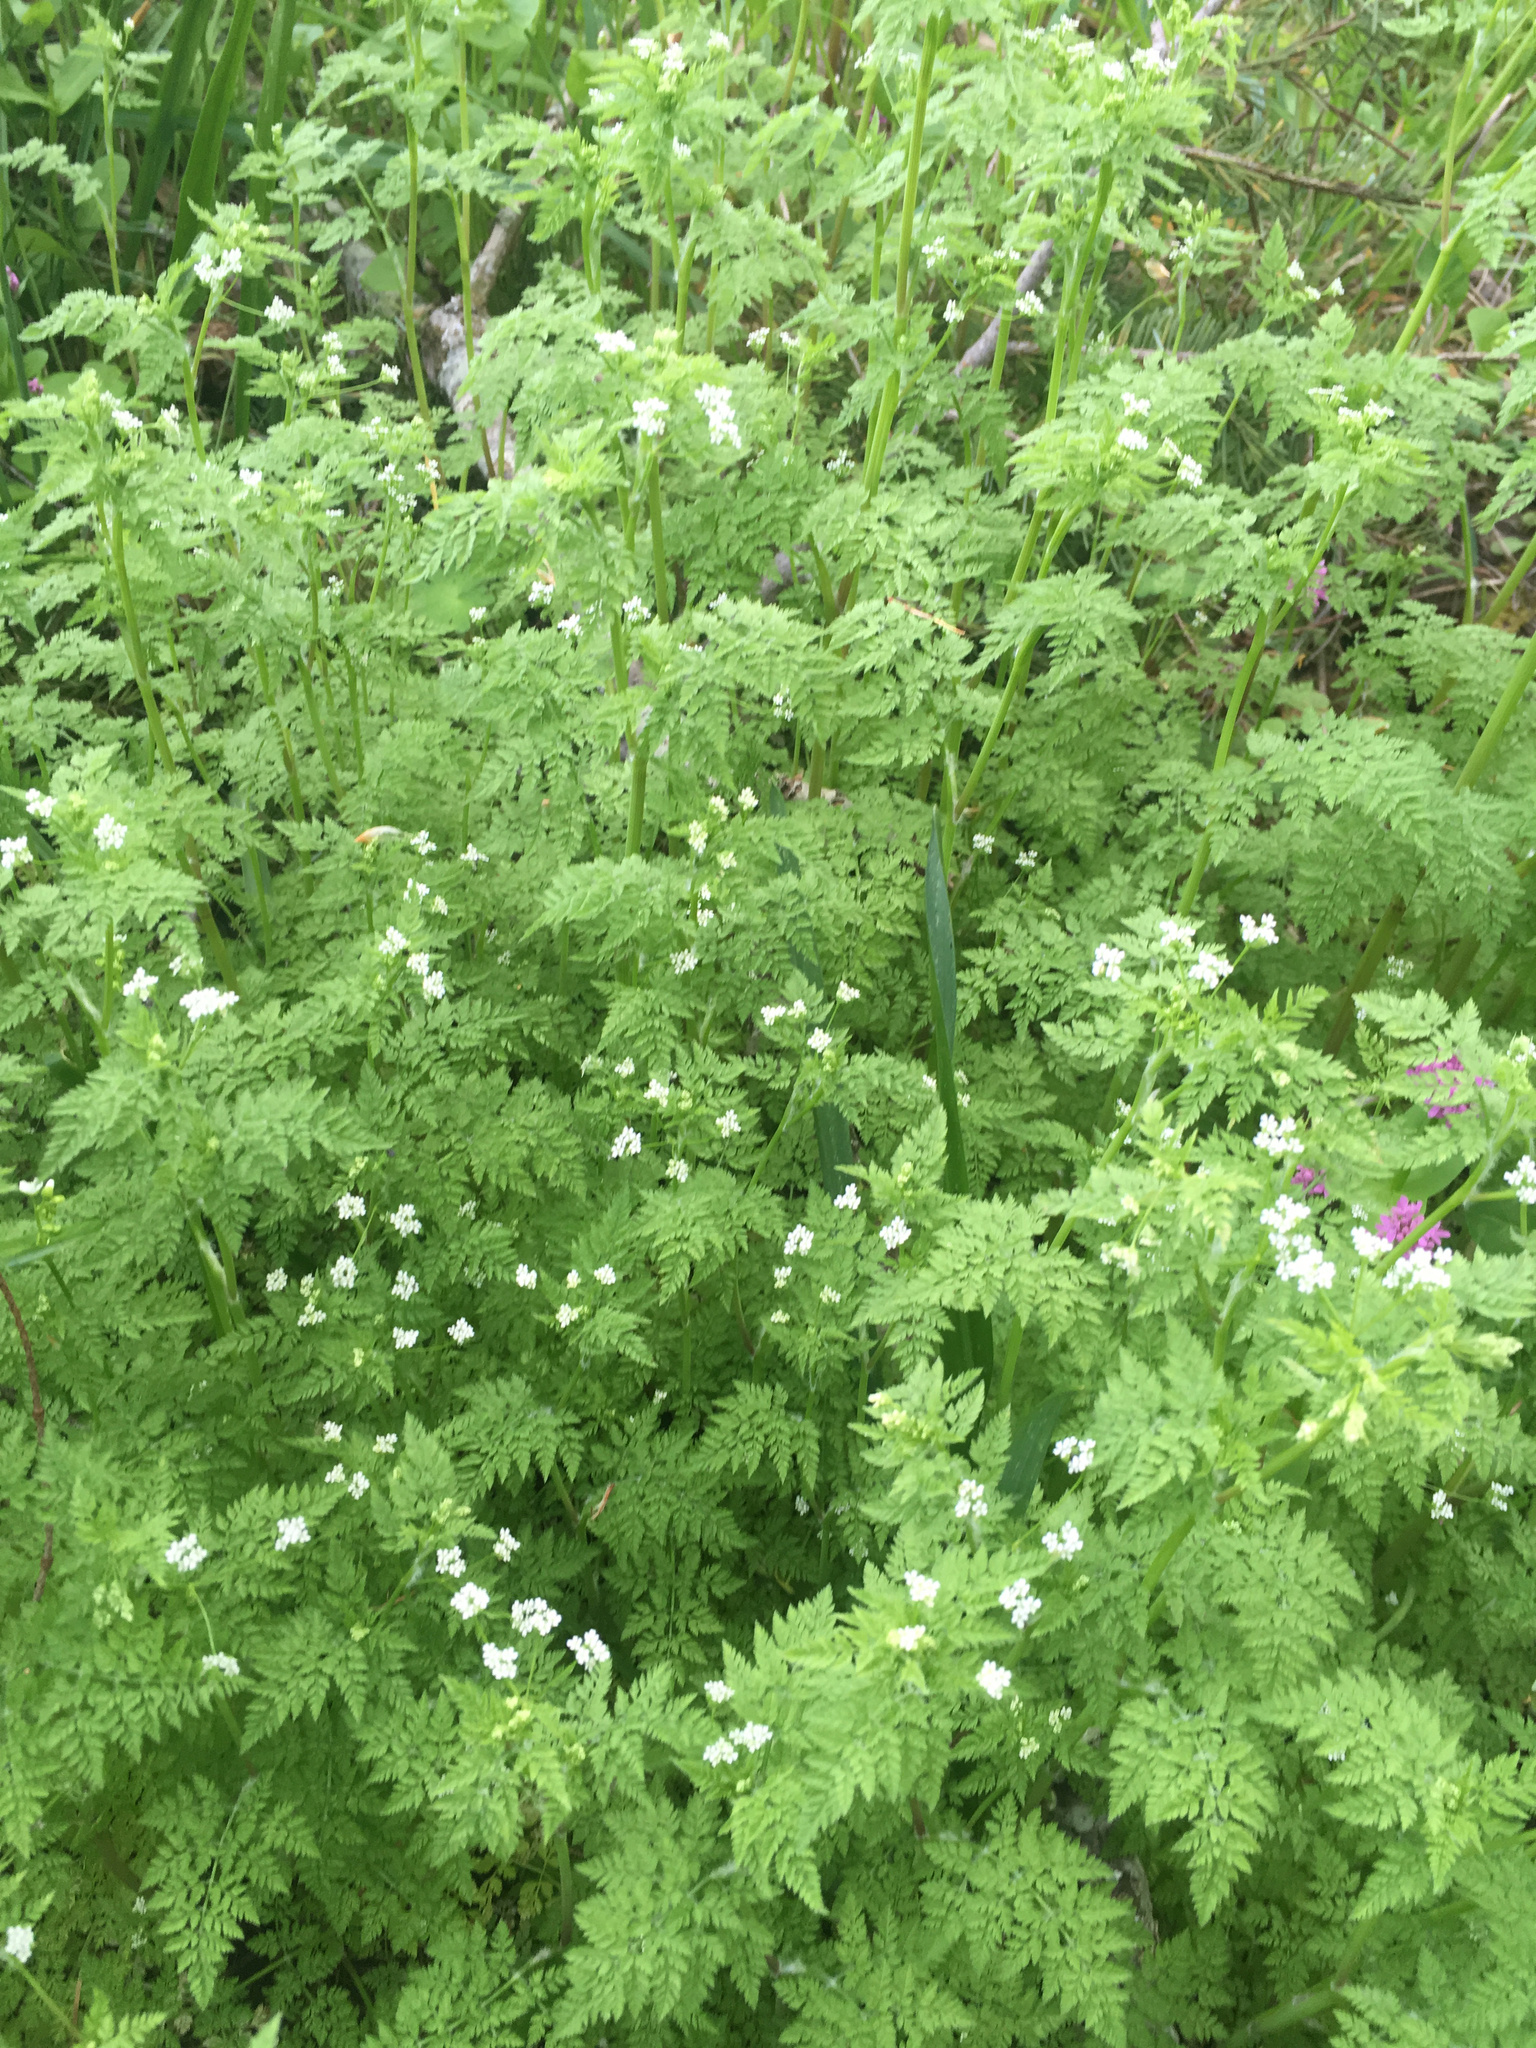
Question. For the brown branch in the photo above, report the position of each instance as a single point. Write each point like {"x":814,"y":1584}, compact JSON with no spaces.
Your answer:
{"x":981,"y":351}
{"x":1380,"y":194}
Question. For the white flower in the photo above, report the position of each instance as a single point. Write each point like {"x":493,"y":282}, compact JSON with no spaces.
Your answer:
{"x":1063,"y":1544}
{"x":1107,"y":961}
{"x":351,"y":1207}
{"x":1421,"y":1268}
{"x":1020,"y":1603}
{"x":1522,"y":1178}
{"x":468,"y":1208}
{"x":215,"y":1660}
{"x":433,"y":987}
{"x":613,"y":342}
{"x":954,"y":312}
{"x":650,"y":417}
{"x":830,"y":1296}
{"x":186,"y":1553}
{"x":624,"y":1068}
{"x":573,"y":1278}
{"x":721,"y":1752}
{"x":758,"y":338}
{"x":472,"y":855}
{"x":1135,"y":408}
{"x":208,"y":1002}
{"x":747,"y":799}
{"x":589,"y":1650}
{"x":971,"y":1501}
{"x":677,"y":1169}
{"x":1261,"y":932}
{"x":529,"y":1616}
{"x":139,"y":984}
{"x":1076,"y":1451}
{"x":1440,"y":1509}
{"x":357,"y":1485}
{"x":1500,"y":1496}
{"x":729,"y":1125}
{"x":344,"y":1272}
{"x":251,"y":478}
{"x":405,"y":1340}
{"x":719,"y":414}
{"x":527,"y":1276}
{"x":109,"y":834}
{"x":1210,"y":970}
{"x":18,"y":1944}
{"x":386,"y":1446}
{"x":1114,"y":71}
{"x":846,"y":992}
{"x":279,"y":312}
{"x":506,"y":1545}
{"x":1190,"y":472}
{"x":470,"y":1600}
{"x":753,"y":1737}
{"x":450,"y":1562}
{"x":1031,"y":305}
{"x":719,"y":43}
{"x":1132,"y":439}
{"x":277,"y":1280}
{"x":1368,"y":1244}
{"x":1294,"y":271}
{"x":719,"y":1691}
{"x":406,"y":1284}
{"x":935,"y":251}
{"x":14,"y":853}
{"x":993,"y":1679}
{"x":1172,"y":933}
{"x":291,"y":1529}
{"x":406,"y":1221}
{"x":895,"y":1233}
{"x":906,"y":1639}
{"x":330,"y":1432}
{"x":922,"y":1589}
{"x":390,"y":372}
{"x":685,"y":962}
{"x":798,"y":1241}
{"x":393,"y":942}
{"x":1275,"y":1136}
{"x":819,"y":1040}
{"x":771,"y":1014}
{"x":636,"y":611}
{"x":626,"y":1145}
{"x":605,"y":1276}
{"x":571,"y":625}
{"x":310,"y":1317}
{"x":782,"y":1275}
{"x":501,"y":1664}
{"x":40,"y":806}
{"x":848,"y":1199}
{"x":982,"y":842}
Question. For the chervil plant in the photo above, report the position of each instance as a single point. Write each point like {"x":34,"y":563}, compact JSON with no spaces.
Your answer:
{"x":764,"y":942}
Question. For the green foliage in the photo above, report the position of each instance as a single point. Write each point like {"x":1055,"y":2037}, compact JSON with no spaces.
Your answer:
{"x":769,"y":1276}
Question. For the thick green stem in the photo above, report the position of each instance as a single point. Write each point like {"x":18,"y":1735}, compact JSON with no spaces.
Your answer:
{"x":1066,"y":320}
{"x":639,"y":758}
{"x":1512,"y":583}
{"x":136,"y":646}
{"x":658,"y":545}
{"x":914,"y":165}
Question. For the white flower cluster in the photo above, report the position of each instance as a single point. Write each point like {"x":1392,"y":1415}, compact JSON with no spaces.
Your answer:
{"x":650,"y":417}
{"x":1019,"y":1602}
{"x":291,"y":1529}
{"x":718,"y":414}
{"x":1522,"y":1178}
{"x":186,"y":1553}
{"x":14,"y":853}
{"x":751,"y":1737}
{"x":994,"y":1679}
{"x":1077,"y":1452}
{"x":1298,"y":1255}
{"x":1276,"y":1136}
{"x":18,"y":1944}
{"x":208,"y":1002}
{"x":470,"y":1600}
{"x":626,"y":1145}
{"x":799,"y":1241}
{"x":923,"y":1590}
{"x":848,"y":1199}
{"x":1260,"y":933}
{"x":531,"y":1617}
{"x":906,"y":1639}
{"x":1440,"y":1509}
{"x":971,"y":1501}
{"x":40,"y":806}
{"x":589,"y":1650}
{"x":109,"y":834}
{"x":718,"y":1691}
{"x":212,"y":268}
{"x":216,"y":1660}
{"x":1422,"y":1267}
{"x":139,"y":983}
{"x":613,"y":342}
{"x":1107,"y":962}
{"x":506,"y":1545}
{"x":1063,"y":1543}
{"x":895,"y":1233}
{"x":501,"y":1664}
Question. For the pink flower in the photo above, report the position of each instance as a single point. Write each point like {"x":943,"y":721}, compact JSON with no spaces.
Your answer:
{"x":1311,"y":1183}
{"x":1403,"y":1219}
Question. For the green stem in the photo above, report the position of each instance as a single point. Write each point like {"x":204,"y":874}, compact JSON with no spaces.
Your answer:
{"x":639,"y":757}
{"x":1512,"y":583}
{"x":658,"y":546}
{"x":136,"y":646}
{"x":914,"y":163}
{"x":794,"y":55}
{"x":1066,"y":318}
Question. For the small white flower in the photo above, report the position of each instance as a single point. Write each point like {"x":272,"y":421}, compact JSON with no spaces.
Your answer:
{"x":906,"y":1639}
{"x":848,"y":1199}
{"x":450,"y":1562}
{"x":470,"y":1600}
{"x":1500,"y":1496}
{"x":972,"y":1501}
{"x":830,"y":1297}
{"x":1135,"y":408}
{"x":570,"y":625}
{"x":279,"y":312}
{"x":344,"y":1272}
{"x":589,"y":1650}
{"x":626,"y":1145}
{"x":216,"y":1660}
{"x":386,"y":1446}
{"x":186,"y":1553}
{"x":613,"y":342}
{"x":1522,"y":1178}
{"x":782,"y":1275}
{"x":1210,"y":970}
{"x":1259,"y":932}
{"x":351,"y":1208}
{"x":506,"y":1545}
{"x":1190,"y":472}
{"x":14,"y":853}
{"x":357,"y":1485}
{"x":1114,"y":71}
{"x":1172,"y":933}
{"x":1064,"y":1543}
{"x":472,"y":855}
{"x":954,"y":312}
{"x":277,"y":1280}
{"x":605,"y":1276}
{"x":109,"y":834}
{"x":922,"y":1589}
{"x":291,"y":1529}
{"x":406,"y":1284}
{"x":729,"y":1125}
{"x":819,"y":1041}
{"x":530,"y":1616}
{"x":251,"y":479}
{"x":753,"y":1737}
{"x":1294,"y":271}
{"x":994,"y":1679}
{"x":1441,"y":1509}
{"x":1107,"y":961}
{"x":405,"y":1340}
{"x":718,"y":1691}
{"x":798,"y":1241}
{"x":393,"y":942}
{"x":433,"y":987}
{"x":501,"y":1664}
{"x":208,"y":1002}
{"x":1275,"y":1136}
{"x":330,"y":1432}
{"x":1132,"y":439}
{"x":1076,"y":1452}
{"x":1020,"y":1603}
{"x":650,"y":417}
{"x":527,"y":1276}
{"x":677,"y":1169}
{"x":40,"y":806}
{"x":406,"y":1221}
{"x":685,"y":962}
{"x":720,"y":1752}
{"x":758,"y":338}
{"x":1030,"y":304}
{"x":139,"y":984}
{"x":895,"y":1233}
{"x":747,"y":799}
{"x":390,"y":372}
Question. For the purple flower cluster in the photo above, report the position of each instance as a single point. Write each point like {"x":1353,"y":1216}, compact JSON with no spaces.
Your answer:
{"x":1311,"y":1184}
{"x":1403,"y":1219}
{"x":1451,"y":1106}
